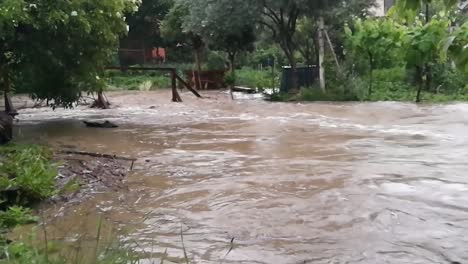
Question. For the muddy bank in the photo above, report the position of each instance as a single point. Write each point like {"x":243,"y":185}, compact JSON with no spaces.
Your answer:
{"x":83,"y":174}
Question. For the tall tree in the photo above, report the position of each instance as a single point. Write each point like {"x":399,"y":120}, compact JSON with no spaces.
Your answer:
{"x":172,"y":28}
{"x":280,"y":17}
{"x":226,"y":25}
{"x":376,"y":40}
{"x":456,"y":47}
{"x":146,"y":22}
{"x":425,"y":43}
{"x":56,"y":49}
{"x":409,"y":9}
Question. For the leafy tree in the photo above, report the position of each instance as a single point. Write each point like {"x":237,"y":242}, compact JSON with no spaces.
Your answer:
{"x":424,"y":44}
{"x":281,"y":17}
{"x":55,"y":49}
{"x":226,"y":25}
{"x":375,"y":39}
{"x":456,"y":47}
{"x":145,"y":23}
{"x":305,"y":39}
{"x":172,"y":28}
{"x":409,"y":9}
{"x":341,"y":13}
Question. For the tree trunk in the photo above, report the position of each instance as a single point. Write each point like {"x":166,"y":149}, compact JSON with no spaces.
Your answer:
{"x":6,"y":128}
{"x":232,"y":69}
{"x":232,"y":66}
{"x":6,"y":120}
{"x":101,"y":102}
{"x":421,"y":84}
{"x":428,"y":80}
{"x":198,"y":83}
{"x":427,"y":13}
{"x":371,"y":75}
{"x":321,"y":54}
{"x":5,"y":81}
{"x":294,"y":77}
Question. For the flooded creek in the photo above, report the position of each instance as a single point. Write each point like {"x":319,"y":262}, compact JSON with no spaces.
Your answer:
{"x":292,"y":183}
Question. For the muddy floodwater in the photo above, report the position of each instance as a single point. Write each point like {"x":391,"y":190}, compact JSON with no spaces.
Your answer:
{"x":291,"y":183}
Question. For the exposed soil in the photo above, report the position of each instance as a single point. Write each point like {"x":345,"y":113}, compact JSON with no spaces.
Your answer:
{"x":81,"y":176}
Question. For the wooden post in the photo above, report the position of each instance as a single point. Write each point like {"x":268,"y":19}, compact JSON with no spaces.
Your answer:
{"x":175,"y":95}
{"x":188,"y":86}
{"x":9,"y":108}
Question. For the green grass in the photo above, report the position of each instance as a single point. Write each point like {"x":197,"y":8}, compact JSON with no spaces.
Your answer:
{"x":138,"y":81}
{"x":251,"y":78}
{"x":393,"y":84}
{"x":27,"y":175}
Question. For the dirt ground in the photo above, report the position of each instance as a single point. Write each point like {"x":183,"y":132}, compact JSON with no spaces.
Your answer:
{"x":80,"y":176}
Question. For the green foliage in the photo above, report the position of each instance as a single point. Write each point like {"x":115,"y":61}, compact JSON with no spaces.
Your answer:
{"x":172,"y":25}
{"x":71,"y":186}
{"x":137,"y":81}
{"x":15,"y":216}
{"x":56,"y":49}
{"x":267,"y":56}
{"x":306,"y":40}
{"x":409,"y":9}
{"x":26,"y":174}
{"x":215,"y":61}
{"x":207,"y":19}
{"x":26,"y":253}
{"x":379,"y":40}
{"x":257,"y":79}
{"x":230,"y":79}
{"x":145,"y":23}
{"x":424,"y":41}
{"x":448,"y":80}
{"x":456,"y":47}
{"x":315,"y":94}
{"x":391,"y":85}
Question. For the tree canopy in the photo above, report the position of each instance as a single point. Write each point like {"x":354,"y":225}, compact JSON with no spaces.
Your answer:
{"x":56,"y":49}
{"x":207,"y":18}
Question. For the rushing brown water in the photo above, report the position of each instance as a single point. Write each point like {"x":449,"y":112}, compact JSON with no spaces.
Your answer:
{"x":292,"y":183}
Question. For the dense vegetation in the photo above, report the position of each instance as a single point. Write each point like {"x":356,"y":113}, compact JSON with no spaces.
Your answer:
{"x":55,"y":50}
{"x":418,"y":52}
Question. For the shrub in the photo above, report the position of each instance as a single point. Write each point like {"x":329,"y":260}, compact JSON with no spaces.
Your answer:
{"x":15,"y":216}
{"x":138,"y":81}
{"x":26,"y":174}
{"x":257,"y":79}
{"x":447,"y":79}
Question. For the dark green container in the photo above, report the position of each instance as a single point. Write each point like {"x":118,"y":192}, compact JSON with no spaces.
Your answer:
{"x":306,"y":76}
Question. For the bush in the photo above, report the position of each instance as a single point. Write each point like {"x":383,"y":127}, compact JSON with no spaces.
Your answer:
{"x":215,"y":61}
{"x":446,"y":79}
{"x":315,"y":94}
{"x":265,"y":56}
{"x":138,"y":81}
{"x":26,"y":175}
{"x":15,"y":216}
{"x":256,"y":79}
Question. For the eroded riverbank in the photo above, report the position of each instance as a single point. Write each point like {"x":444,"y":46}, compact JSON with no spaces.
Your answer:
{"x":292,"y":183}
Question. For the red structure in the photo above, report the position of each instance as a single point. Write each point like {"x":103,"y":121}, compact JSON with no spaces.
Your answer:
{"x":158,"y":55}
{"x":133,"y":52}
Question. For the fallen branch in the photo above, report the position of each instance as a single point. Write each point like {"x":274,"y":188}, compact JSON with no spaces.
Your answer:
{"x":97,"y":155}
